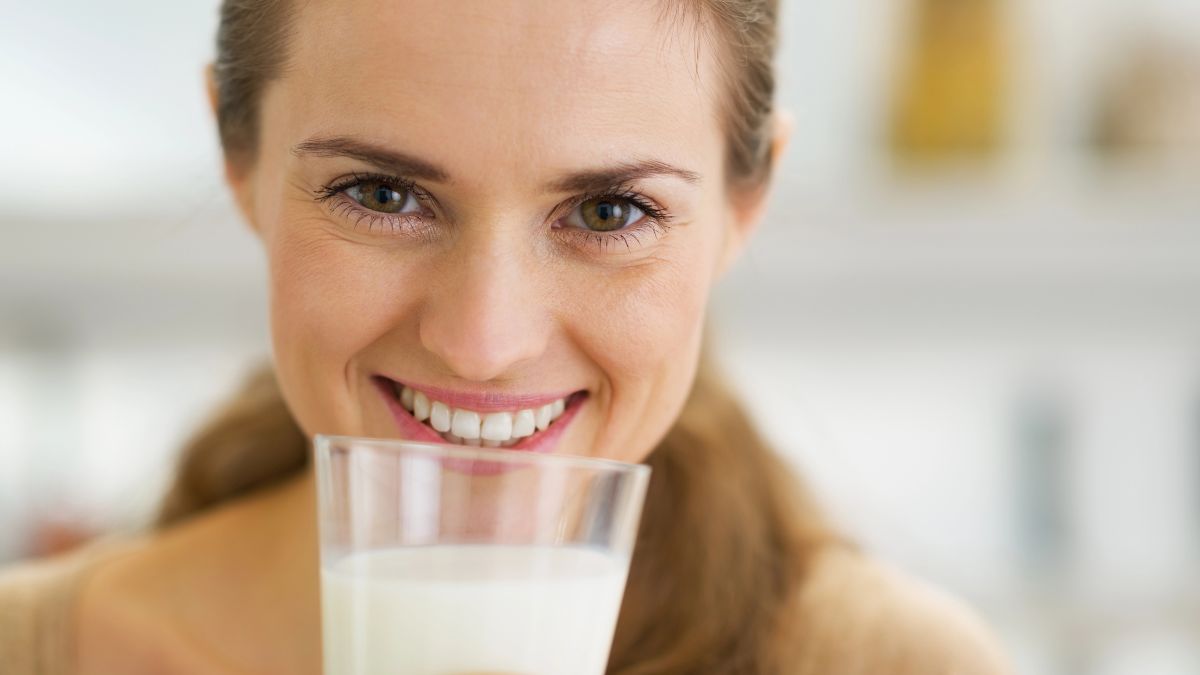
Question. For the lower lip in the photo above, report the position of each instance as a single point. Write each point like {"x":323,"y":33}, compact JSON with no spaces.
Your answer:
{"x":540,"y":442}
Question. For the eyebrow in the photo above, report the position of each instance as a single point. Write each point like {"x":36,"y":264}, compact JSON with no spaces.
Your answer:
{"x":382,"y":158}
{"x":410,"y":166}
{"x":595,"y":180}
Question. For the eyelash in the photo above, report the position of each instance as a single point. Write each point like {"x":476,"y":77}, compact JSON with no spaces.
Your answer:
{"x":396,"y":223}
{"x":656,"y":220}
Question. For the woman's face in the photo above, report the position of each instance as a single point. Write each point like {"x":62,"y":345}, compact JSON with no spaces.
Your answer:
{"x":515,"y":210}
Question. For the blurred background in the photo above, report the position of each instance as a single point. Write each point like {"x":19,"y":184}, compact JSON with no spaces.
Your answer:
{"x":972,"y":319}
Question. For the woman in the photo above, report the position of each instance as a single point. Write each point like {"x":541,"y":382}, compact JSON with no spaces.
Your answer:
{"x":465,"y":203}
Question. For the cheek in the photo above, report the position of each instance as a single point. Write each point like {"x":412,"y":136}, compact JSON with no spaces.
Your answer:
{"x":330,"y":299}
{"x":645,"y":329}
{"x":642,"y":321}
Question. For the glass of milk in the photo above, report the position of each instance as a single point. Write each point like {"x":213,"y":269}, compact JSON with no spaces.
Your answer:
{"x":454,"y":560}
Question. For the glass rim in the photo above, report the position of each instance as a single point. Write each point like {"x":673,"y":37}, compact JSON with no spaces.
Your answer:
{"x":451,"y":450}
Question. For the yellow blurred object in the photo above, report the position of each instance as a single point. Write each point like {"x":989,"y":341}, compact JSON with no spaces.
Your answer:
{"x":951,"y":95}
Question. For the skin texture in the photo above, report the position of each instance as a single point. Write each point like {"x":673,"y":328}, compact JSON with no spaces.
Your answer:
{"x":489,"y":290}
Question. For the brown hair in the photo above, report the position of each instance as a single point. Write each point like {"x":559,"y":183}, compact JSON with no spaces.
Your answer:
{"x":727,"y":533}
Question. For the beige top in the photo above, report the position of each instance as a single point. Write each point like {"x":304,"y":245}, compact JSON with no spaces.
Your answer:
{"x":37,"y":608}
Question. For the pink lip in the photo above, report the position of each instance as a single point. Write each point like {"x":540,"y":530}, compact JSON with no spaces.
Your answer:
{"x":541,"y":441}
{"x":483,"y":401}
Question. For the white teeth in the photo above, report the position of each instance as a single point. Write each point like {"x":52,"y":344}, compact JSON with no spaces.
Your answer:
{"x":439,"y":416}
{"x":468,"y":427}
{"x":420,"y":407}
{"x":524,"y":424}
{"x":543,"y":416}
{"x":465,"y":424}
{"x":497,"y":427}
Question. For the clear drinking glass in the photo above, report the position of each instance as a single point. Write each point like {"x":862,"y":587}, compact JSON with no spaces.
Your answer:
{"x":448,"y":560}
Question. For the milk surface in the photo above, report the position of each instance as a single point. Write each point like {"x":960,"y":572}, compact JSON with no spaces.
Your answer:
{"x":458,"y":610}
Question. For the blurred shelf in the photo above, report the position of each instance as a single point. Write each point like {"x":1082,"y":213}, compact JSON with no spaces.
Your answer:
{"x":1121,"y":249}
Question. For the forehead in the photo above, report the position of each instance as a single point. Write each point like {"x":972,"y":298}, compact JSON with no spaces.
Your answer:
{"x":488,"y":86}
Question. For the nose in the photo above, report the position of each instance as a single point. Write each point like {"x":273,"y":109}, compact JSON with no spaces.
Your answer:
{"x":482,"y":316}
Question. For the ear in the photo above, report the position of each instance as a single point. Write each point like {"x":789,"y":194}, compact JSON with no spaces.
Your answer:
{"x":236,"y":177}
{"x":210,"y":86}
{"x":749,"y":206}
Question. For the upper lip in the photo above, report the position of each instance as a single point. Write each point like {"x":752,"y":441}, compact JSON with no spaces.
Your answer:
{"x":483,"y":400}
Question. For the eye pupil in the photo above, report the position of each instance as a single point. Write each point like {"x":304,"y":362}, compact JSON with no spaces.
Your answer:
{"x":604,"y":215}
{"x":381,"y":197}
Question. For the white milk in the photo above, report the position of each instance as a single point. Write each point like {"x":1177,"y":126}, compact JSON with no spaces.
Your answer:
{"x":454,"y":610}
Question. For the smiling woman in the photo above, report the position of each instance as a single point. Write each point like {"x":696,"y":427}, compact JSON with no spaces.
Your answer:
{"x":495,"y":223}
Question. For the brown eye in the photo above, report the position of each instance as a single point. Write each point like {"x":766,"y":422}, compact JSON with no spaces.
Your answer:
{"x":378,"y":196}
{"x":607,"y":214}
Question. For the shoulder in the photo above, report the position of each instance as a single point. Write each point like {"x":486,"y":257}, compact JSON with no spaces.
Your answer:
{"x":62,"y":614}
{"x":32,"y":589}
{"x":26,"y":590}
{"x":130,"y":611}
{"x":20,"y":593}
{"x":863,"y":617}
{"x":37,"y":601}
